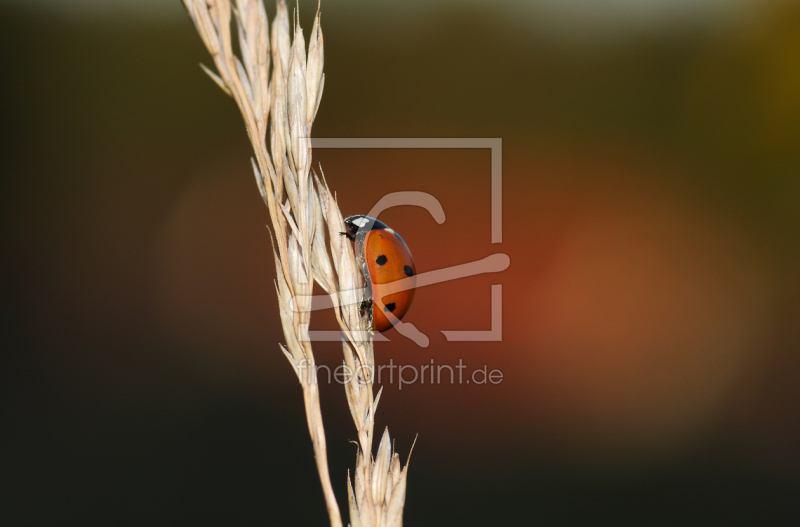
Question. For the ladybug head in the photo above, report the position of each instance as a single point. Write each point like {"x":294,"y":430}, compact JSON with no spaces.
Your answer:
{"x":356,"y":223}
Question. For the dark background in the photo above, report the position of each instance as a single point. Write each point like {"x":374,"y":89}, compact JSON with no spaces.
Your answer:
{"x":651,"y":312}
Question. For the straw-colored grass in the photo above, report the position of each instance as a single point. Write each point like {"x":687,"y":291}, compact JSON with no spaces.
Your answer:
{"x":279,"y":112}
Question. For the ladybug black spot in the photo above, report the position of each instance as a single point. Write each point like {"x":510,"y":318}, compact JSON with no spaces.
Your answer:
{"x":409,"y":271}
{"x":389,"y":307}
{"x":381,"y":259}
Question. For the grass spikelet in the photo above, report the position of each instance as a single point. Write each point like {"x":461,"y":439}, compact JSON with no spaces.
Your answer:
{"x":277,"y":84}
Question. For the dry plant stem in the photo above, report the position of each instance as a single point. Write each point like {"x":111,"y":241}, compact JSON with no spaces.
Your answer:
{"x":302,"y":211}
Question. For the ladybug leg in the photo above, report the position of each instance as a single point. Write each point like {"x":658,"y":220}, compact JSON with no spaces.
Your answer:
{"x":349,"y":236}
{"x":365,"y":306}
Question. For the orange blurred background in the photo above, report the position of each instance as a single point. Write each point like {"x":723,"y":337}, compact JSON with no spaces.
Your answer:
{"x":651,"y":209}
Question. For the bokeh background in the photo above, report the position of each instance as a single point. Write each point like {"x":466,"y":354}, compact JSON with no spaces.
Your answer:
{"x":651,"y":312}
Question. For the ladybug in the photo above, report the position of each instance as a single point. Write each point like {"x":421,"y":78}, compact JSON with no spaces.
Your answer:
{"x":385,"y":259}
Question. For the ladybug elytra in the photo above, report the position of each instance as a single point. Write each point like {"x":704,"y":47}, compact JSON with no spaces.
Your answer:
{"x":385,"y":260}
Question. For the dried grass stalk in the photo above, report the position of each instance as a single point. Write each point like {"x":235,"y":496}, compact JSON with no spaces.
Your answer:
{"x":304,"y":215}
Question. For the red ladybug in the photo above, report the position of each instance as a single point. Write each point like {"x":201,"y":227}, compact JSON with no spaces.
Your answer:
{"x":385,"y":259}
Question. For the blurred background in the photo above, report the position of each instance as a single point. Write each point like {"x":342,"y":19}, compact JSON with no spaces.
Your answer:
{"x":651,"y":312}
